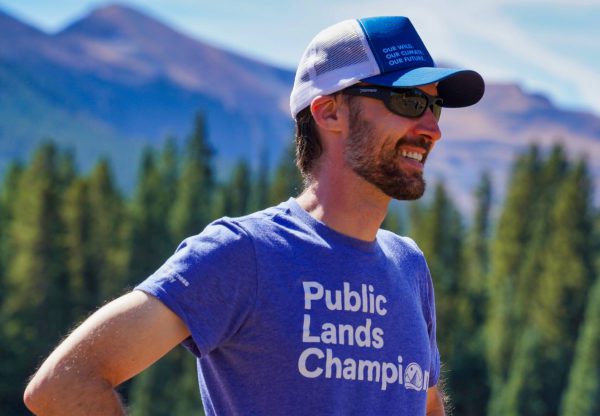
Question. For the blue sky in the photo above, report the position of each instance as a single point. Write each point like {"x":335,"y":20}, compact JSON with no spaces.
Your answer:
{"x":548,"y":46}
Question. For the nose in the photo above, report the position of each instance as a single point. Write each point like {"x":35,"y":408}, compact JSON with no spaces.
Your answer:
{"x":427,"y":126}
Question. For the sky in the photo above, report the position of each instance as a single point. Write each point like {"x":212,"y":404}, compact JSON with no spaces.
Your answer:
{"x":547,"y":46}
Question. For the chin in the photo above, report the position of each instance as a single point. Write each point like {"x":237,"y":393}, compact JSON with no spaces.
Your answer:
{"x":405,"y":189}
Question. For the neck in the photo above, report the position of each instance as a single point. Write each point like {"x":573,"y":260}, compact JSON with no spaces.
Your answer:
{"x":347,"y":204}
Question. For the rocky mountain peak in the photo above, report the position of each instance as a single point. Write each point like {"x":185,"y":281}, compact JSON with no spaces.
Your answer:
{"x":11,"y":26}
{"x":115,"y":21}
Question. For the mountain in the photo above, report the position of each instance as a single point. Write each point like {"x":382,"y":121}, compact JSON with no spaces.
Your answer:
{"x":118,"y":80}
{"x":34,"y":103}
{"x":10,"y":26}
{"x":123,"y":45}
{"x":490,"y":134}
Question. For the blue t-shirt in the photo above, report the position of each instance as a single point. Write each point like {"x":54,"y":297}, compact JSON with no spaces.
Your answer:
{"x":289,"y":317}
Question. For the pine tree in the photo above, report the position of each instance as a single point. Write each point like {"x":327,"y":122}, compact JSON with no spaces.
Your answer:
{"x":94,"y":240}
{"x":260,"y":187}
{"x":549,"y":296}
{"x":522,"y":390}
{"x":393,"y":220}
{"x":192,"y":206}
{"x":108,"y":247}
{"x":170,"y":386}
{"x":477,"y":247}
{"x":168,"y":167}
{"x":236,"y":193}
{"x":567,"y":271}
{"x":469,"y":369}
{"x":9,"y":369}
{"x":582,"y":396}
{"x":557,"y":306}
{"x":37,"y":274}
{"x":439,"y":232}
{"x":552,"y":172}
{"x":67,"y":170}
{"x":506,"y":315}
{"x":76,"y":214}
{"x":8,"y":196}
{"x":149,"y":231}
{"x":287,"y":181}
{"x":36,"y":314}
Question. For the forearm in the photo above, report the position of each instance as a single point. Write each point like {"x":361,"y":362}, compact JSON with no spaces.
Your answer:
{"x":71,"y":382}
{"x":435,"y":402}
{"x":117,"y":342}
{"x":77,"y":397}
{"x":436,"y":412}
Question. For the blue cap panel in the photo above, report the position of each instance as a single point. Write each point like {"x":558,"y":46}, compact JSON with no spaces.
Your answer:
{"x":395,"y":43}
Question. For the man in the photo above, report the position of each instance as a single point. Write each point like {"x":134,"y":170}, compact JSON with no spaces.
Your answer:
{"x":307,"y":307}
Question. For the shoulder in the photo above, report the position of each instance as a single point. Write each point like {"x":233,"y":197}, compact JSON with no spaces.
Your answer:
{"x":405,"y":252}
{"x":226,"y":241}
{"x":276,"y":227}
{"x":227,"y":231}
{"x":398,"y":245}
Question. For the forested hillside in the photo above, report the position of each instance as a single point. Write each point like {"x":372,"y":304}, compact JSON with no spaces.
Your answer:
{"x":518,"y":299}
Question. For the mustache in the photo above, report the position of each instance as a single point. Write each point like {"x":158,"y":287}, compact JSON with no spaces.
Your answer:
{"x":418,"y":141}
{"x":415,"y":142}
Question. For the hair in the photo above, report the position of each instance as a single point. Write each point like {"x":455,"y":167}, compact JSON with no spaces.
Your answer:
{"x":308,"y":144}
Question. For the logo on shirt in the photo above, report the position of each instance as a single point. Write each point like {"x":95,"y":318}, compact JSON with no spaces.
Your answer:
{"x":323,"y":360}
{"x":413,"y":377}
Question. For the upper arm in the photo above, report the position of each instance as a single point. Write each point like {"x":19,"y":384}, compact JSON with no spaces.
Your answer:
{"x":114,"y":344}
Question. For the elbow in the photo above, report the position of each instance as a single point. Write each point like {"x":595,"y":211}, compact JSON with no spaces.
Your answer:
{"x":33,"y":397}
{"x":59,"y":393}
{"x":42,"y":393}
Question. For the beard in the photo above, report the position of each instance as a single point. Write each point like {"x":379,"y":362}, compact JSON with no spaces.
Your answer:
{"x":379,"y":165}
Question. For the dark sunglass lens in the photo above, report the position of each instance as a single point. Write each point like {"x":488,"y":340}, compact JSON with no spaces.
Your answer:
{"x":436,"y":107}
{"x":437,"y":111}
{"x":408,"y":104}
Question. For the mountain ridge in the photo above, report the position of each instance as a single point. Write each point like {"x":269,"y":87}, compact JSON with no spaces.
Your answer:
{"x":140,"y":95}
{"x":130,"y":76}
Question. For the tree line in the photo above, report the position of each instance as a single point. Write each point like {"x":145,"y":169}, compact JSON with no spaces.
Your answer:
{"x":517,"y":292}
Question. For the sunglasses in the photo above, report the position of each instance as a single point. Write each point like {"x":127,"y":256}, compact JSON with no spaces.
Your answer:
{"x":406,"y":102}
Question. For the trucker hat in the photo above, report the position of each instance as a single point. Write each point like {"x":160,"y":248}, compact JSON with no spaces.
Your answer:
{"x":385,"y":51}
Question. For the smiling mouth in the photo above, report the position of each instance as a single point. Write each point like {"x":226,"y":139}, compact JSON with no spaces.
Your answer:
{"x":414,"y":149}
{"x":412,"y":155}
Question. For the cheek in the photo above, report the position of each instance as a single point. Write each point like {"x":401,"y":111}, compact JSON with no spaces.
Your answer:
{"x":390,"y":148}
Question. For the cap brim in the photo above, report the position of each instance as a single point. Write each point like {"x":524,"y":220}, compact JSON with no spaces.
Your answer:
{"x":457,"y":87}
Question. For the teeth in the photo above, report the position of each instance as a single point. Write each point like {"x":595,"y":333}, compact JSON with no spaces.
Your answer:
{"x":412,"y":155}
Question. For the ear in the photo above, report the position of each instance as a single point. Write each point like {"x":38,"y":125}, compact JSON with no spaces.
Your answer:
{"x":326,"y":112}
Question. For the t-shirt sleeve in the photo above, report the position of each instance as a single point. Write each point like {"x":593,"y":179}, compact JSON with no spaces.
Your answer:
{"x":428,"y":300}
{"x":210,"y":283}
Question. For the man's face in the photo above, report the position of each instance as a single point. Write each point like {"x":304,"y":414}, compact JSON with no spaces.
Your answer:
{"x":388,"y":150}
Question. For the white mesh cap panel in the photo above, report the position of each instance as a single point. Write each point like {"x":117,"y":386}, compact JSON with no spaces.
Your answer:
{"x":336,"y":58}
